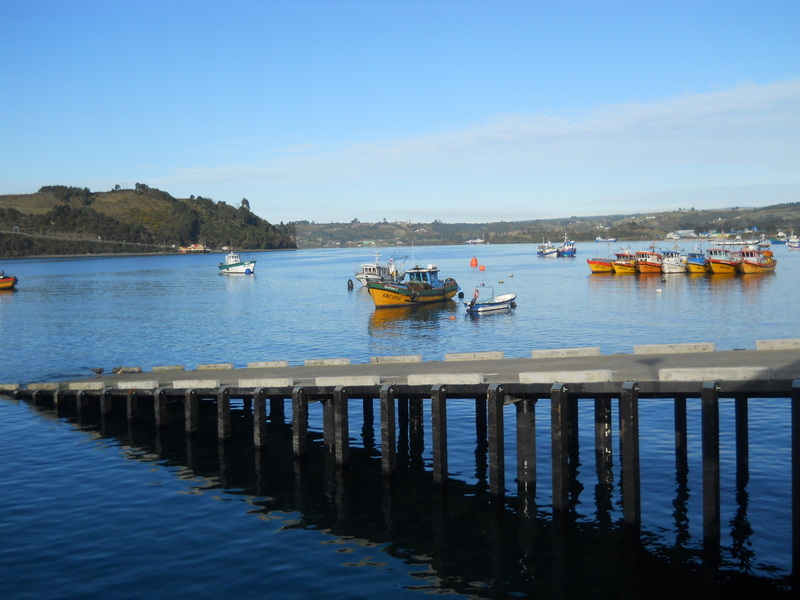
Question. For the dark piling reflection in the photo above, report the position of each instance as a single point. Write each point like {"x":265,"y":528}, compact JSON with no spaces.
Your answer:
{"x":472,"y":545}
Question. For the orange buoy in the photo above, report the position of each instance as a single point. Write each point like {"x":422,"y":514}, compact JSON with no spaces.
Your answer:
{"x":482,"y":268}
{"x":473,"y":262}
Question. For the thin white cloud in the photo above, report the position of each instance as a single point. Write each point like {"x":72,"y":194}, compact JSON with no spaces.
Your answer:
{"x":739,"y":145}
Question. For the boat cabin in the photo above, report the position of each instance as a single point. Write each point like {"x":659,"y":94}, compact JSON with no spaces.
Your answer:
{"x":423,"y":277}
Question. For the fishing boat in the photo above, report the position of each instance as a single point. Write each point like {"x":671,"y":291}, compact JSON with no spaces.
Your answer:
{"x":696,"y":262}
{"x":484,"y":301}
{"x":567,"y":247}
{"x":648,"y":262}
{"x":780,"y":238}
{"x":722,"y":261}
{"x":601,"y":265}
{"x":600,"y":238}
{"x":624,"y":263}
{"x":234,"y":264}
{"x":375,"y":271}
{"x":546,"y":249}
{"x":793,"y":245}
{"x":7,"y":282}
{"x":672,"y":261}
{"x":753,"y":260}
{"x":421,"y":285}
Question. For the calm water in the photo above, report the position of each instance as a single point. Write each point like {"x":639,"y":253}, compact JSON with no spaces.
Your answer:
{"x":122,"y":513}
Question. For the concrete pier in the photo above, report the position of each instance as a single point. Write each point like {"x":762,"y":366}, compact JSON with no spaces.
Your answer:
{"x":408,"y":390}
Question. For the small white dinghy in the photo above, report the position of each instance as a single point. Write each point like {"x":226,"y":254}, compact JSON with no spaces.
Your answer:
{"x":484,"y":301}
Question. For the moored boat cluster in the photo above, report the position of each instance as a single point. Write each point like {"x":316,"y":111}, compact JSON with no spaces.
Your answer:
{"x":751,"y":258}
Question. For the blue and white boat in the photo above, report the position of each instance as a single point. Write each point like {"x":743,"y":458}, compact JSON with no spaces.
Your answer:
{"x":567,"y":247}
{"x":546,"y":249}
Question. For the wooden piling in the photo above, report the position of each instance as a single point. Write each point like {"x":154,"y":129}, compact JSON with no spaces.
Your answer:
{"x":160,"y":407}
{"x":497,"y":478}
{"x":224,"y":413}
{"x":559,"y":434}
{"x":82,"y":402}
{"x":259,"y":417}
{"x":341,"y":423}
{"x":526,"y":446}
{"x":299,"y":422}
{"x":681,"y":443}
{"x":602,"y":429}
{"x":105,"y":402}
{"x":388,"y":430}
{"x":629,"y":444}
{"x":132,"y":405}
{"x":439,"y":433}
{"x":709,"y":417}
{"x":190,"y":410}
{"x":328,"y":424}
{"x":742,"y":441}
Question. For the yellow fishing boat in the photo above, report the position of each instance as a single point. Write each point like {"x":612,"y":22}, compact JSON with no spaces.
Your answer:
{"x":756,"y":261}
{"x":722,"y":261}
{"x":420,"y":286}
{"x":624,"y":263}
{"x":601,"y":265}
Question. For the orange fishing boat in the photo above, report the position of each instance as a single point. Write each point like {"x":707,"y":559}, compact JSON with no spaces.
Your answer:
{"x":648,"y":262}
{"x":7,"y":282}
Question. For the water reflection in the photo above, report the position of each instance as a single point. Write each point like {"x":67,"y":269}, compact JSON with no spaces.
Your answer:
{"x":466,"y":542}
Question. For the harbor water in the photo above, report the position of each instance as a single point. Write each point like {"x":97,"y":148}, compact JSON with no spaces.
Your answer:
{"x":122,"y":512}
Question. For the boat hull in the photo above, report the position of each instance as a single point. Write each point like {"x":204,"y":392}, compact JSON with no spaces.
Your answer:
{"x":720,"y":267}
{"x":647,"y":268}
{"x":766,"y":265}
{"x":600,"y":265}
{"x":8,"y":283}
{"x":247,"y":267}
{"x":498,"y":303}
{"x":624,"y":267}
{"x":696,"y":267}
{"x":386,"y":295}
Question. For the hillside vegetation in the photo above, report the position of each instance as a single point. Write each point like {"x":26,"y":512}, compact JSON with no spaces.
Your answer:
{"x":642,"y":226}
{"x":71,"y":220}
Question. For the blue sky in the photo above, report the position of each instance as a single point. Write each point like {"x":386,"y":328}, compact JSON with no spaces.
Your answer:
{"x":462,"y":111}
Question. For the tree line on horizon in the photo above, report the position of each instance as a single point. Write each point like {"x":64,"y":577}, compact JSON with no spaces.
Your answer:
{"x":143,"y":219}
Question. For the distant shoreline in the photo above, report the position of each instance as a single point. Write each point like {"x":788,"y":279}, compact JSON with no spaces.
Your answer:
{"x":126,"y":254}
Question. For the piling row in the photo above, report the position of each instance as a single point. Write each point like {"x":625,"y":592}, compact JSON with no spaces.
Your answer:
{"x":490,"y":401}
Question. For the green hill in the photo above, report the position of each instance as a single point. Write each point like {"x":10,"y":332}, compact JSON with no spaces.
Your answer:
{"x":71,"y":220}
{"x":641,"y":226}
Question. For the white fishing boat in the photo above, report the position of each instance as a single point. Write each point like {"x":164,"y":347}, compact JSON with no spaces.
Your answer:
{"x":235,"y":265}
{"x":547,"y":249}
{"x":484,"y":301}
{"x":377,"y":272}
{"x":672,"y":261}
